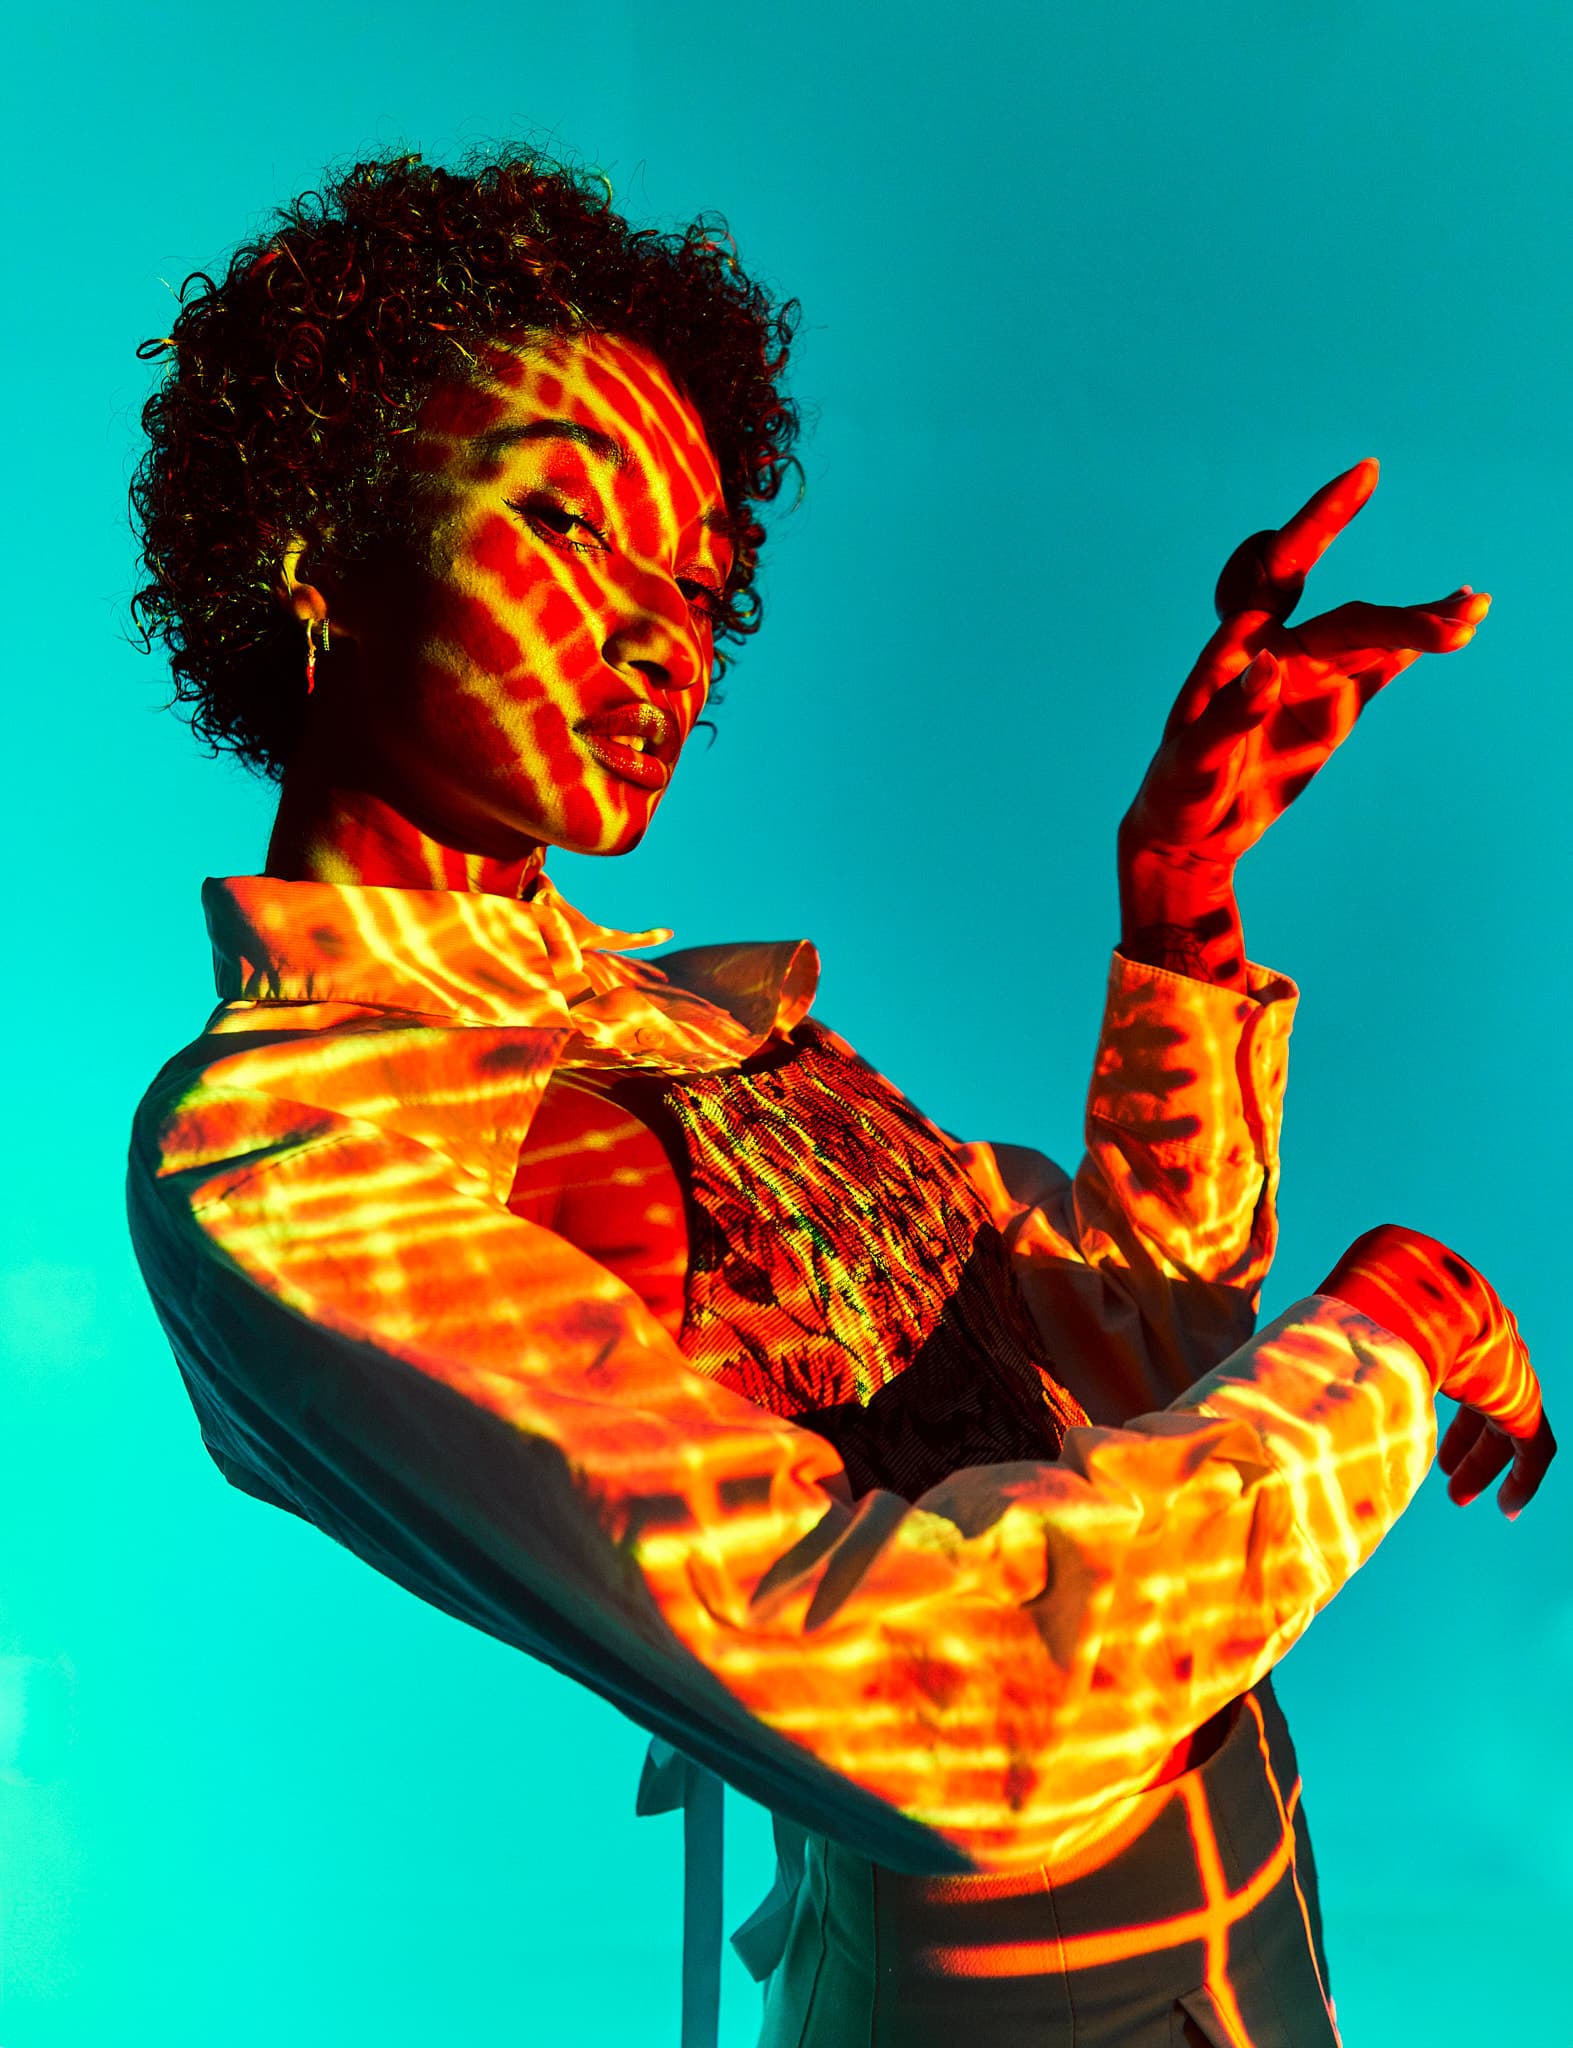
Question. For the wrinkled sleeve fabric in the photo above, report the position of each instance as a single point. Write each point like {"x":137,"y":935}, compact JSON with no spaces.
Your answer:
{"x":972,"y":1681}
{"x":1146,"y":1267}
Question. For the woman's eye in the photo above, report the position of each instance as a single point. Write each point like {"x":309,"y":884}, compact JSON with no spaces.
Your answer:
{"x":562,"y":528}
{"x":558,"y":524}
{"x":704,"y":597}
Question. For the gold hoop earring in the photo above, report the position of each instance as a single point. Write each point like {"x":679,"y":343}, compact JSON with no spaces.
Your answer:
{"x":311,"y":653}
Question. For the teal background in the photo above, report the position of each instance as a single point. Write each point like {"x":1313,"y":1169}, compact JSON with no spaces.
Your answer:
{"x":1090,"y":293}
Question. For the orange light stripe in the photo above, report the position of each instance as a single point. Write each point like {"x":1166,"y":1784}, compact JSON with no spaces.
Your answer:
{"x":1215,"y":1890}
{"x":1208,"y":1923}
{"x":1286,"y":1810}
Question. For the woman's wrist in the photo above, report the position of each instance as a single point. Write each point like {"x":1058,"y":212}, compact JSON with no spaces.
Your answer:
{"x":1180,"y":914}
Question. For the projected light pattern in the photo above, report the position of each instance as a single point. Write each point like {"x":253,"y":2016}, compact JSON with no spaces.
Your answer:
{"x":319,"y":1192}
{"x":1203,"y":1928}
{"x":554,"y":641}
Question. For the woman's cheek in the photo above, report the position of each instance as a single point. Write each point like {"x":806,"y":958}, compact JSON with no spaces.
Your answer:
{"x":561,"y":645}
{"x":482,"y":638}
{"x":549,"y":750}
{"x":578,"y":800}
{"x":549,"y":597}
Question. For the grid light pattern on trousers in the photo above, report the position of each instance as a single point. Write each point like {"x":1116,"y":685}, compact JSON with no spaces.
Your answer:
{"x":1204,"y":1928}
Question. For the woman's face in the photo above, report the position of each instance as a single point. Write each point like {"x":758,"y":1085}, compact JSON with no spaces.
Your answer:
{"x":536,"y":677}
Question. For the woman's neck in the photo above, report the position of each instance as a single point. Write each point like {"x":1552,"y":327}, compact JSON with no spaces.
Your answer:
{"x":325,"y":833}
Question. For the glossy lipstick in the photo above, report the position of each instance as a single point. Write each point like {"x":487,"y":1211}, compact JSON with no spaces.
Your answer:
{"x":637,"y":741}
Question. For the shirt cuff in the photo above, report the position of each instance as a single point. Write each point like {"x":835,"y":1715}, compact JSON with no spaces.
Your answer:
{"x":1189,"y":1062}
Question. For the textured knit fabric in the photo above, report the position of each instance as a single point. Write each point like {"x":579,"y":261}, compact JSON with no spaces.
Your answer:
{"x":983,"y":1680}
{"x":823,"y":1206}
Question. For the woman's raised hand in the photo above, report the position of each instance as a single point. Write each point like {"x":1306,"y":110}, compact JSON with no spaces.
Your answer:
{"x":1267,"y":703}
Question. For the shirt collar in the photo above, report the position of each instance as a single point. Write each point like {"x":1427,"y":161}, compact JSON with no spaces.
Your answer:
{"x":458,"y":957}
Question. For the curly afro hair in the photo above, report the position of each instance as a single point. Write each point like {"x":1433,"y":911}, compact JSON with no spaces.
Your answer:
{"x":293,"y":380}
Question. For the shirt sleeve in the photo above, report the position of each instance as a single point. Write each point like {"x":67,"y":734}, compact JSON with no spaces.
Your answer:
{"x":983,"y":1679}
{"x":1146,"y":1268}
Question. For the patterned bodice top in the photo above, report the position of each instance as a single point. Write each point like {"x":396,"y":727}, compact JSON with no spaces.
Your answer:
{"x":844,"y":1271}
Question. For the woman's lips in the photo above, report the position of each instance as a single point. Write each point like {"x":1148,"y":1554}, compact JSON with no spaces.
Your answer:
{"x":636,"y":741}
{"x":649,"y":771}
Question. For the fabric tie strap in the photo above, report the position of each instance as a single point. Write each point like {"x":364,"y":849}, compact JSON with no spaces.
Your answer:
{"x":672,"y":1781}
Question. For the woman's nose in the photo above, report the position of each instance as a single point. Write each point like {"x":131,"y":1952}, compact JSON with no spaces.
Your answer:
{"x":655,"y":635}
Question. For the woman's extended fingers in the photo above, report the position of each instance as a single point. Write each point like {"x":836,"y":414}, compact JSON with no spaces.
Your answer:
{"x":1304,"y":539}
{"x":1363,"y":644}
{"x":1470,"y":1471}
{"x":1475,"y":1450}
{"x":1462,"y":1434}
{"x":1334,"y":664}
{"x":1328,"y":668}
{"x":1267,"y":572}
{"x":1439,"y":628}
{"x":1532,"y":1457}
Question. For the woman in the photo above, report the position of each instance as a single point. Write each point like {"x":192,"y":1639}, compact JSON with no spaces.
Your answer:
{"x":944,"y":1504}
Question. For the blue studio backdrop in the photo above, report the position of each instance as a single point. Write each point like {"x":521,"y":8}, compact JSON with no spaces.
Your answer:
{"x":1089,"y":294}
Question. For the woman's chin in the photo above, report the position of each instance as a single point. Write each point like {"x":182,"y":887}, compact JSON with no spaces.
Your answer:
{"x":604,"y":845}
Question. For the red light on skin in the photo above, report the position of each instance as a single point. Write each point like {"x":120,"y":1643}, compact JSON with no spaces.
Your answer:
{"x":578,"y":533}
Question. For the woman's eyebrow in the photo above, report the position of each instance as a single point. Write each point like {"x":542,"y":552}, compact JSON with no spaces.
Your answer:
{"x":495,"y":439}
{"x":715,"y":519}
